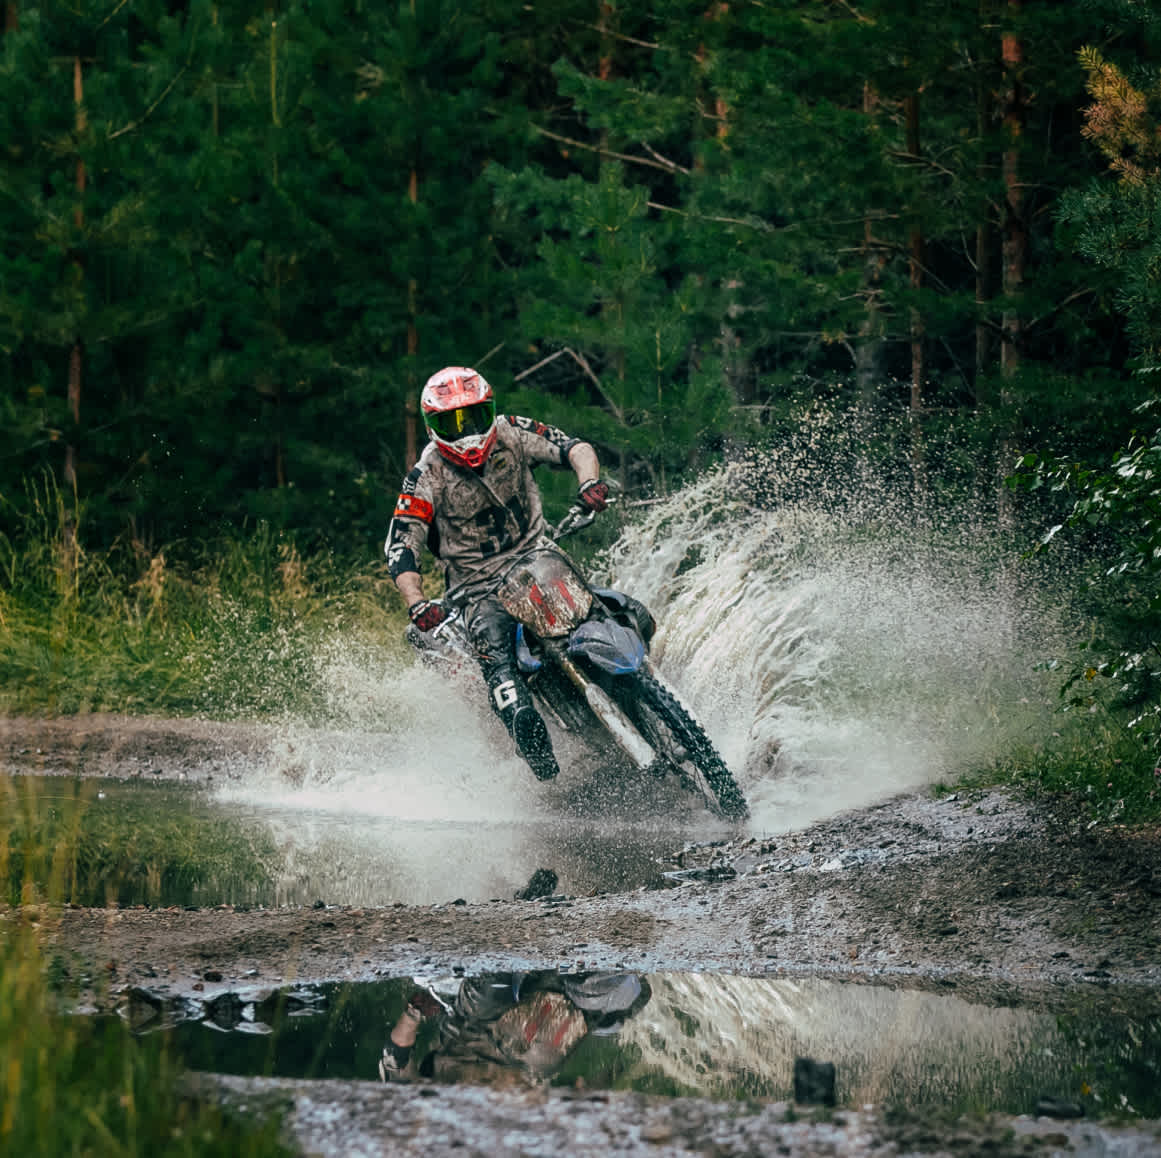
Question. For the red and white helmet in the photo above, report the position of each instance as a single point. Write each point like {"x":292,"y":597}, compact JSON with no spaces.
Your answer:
{"x":460,"y":414}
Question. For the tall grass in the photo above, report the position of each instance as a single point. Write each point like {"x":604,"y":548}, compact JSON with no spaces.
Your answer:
{"x":1091,"y":765}
{"x":72,"y":1087}
{"x":230,"y":628}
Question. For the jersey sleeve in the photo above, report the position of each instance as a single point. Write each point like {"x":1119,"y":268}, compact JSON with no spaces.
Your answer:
{"x":410,"y":524}
{"x":541,"y":442}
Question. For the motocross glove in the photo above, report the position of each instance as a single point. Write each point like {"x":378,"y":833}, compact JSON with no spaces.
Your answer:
{"x":594,"y":495}
{"x":427,"y":614}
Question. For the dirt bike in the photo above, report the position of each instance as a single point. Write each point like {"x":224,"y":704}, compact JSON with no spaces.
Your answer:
{"x":583,"y":652}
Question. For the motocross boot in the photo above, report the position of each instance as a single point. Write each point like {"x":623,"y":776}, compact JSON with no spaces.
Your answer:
{"x":493,"y":636}
{"x":531,"y":735}
{"x":512,"y":703}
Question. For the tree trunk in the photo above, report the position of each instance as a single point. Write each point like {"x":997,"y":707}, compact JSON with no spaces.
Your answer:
{"x":985,"y":230}
{"x":278,"y":391}
{"x":411,"y":405}
{"x":869,"y":347}
{"x":735,"y":368}
{"x":613,"y":311}
{"x":915,"y":264}
{"x":11,"y":16}
{"x":69,"y":548}
{"x":1015,"y":247}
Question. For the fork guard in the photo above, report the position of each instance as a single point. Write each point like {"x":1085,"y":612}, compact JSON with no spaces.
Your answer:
{"x":619,"y":726}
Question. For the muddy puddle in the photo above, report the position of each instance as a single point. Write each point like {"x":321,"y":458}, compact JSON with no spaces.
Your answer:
{"x":161,"y":843}
{"x":725,"y":1037}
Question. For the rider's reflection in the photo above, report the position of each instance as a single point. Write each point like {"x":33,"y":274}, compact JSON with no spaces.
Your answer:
{"x":504,"y":1028}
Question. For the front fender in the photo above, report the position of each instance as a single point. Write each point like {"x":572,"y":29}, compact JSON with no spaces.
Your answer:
{"x":608,"y":645}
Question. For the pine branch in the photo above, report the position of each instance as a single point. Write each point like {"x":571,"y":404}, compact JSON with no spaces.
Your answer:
{"x":580,"y":360}
{"x":133,"y":125}
{"x":665,"y":167}
{"x":752,"y":223}
{"x":612,"y":35}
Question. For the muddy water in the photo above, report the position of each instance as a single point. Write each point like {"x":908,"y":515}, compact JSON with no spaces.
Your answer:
{"x":718,"y":1036}
{"x":177,"y":844}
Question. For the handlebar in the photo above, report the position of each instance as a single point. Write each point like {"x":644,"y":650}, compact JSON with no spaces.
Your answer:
{"x":576,"y":519}
{"x":443,"y":628}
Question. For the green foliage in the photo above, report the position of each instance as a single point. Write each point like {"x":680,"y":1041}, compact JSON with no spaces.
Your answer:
{"x":1116,"y":511}
{"x":287,"y":223}
{"x":73,"y":1086}
{"x":1120,"y":229}
{"x":1102,"y":769}
{"x":601,"y":300}
{"x":1119,"y":222}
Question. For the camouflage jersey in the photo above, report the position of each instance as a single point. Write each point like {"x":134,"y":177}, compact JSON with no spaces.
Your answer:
{"x":473,"y":521}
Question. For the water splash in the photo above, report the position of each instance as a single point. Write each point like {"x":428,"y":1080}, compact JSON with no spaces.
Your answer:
{"x":839,"y":647}
{"x":412,"y":792}
{"x":398,"y":742}
{"x":840,"y":637}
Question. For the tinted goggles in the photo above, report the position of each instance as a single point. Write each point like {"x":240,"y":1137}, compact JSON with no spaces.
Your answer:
{"x":464,"y":421}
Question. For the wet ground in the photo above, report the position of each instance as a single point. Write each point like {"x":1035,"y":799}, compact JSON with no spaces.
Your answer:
{"x":935,"y":913}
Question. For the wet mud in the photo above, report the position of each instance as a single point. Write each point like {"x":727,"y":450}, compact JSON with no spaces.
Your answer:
{"x":995,"y":901}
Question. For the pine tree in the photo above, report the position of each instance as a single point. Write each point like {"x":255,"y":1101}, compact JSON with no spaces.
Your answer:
{"x":86,"y":276}
{"x":1120,"y":221}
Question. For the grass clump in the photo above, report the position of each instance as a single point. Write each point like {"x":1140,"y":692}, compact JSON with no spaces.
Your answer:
{"x":75,"y":1087}
{"x":231,"y":628}
{"x":1093,"y":761}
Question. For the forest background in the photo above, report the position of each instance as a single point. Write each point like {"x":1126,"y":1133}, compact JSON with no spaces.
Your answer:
{"x":236,"y":238}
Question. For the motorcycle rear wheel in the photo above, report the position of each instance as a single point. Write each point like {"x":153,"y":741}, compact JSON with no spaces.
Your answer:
{"x":681,"y":742}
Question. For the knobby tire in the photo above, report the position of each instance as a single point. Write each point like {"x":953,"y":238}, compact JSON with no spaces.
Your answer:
{"x":689,"y":733}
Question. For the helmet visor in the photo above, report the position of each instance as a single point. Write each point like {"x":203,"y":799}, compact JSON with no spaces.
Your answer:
{"x":463,"y":421}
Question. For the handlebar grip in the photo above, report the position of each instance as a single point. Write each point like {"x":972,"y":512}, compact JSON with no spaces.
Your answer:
{"x":441,"y":629}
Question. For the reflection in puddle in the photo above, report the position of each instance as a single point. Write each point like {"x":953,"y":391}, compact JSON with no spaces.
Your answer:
{"x":677,"y":1033}
{"x":191,"y":848}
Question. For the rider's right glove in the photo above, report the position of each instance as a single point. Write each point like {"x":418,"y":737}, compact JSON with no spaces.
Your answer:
{"x":427,"y":614}
{"x":594,"y":495}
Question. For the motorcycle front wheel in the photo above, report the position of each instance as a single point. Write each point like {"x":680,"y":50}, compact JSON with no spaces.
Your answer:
{"x":681,"y":742}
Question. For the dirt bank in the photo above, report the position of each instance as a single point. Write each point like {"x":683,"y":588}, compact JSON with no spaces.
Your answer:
{"x":976,"y":893}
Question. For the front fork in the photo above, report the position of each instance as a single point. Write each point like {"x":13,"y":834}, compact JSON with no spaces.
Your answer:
{"x":606,"y":710}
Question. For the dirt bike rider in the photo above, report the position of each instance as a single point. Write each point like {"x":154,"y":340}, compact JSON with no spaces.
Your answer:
{"x":472,"y":500}
{"x":506,"y":1028}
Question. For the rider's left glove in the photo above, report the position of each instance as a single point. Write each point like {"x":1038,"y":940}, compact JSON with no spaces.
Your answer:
{"x":423,"y":1006}
{"x":594,"y":495}
{"x":427,"y":614}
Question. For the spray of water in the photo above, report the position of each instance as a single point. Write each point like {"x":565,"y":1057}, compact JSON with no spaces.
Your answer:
{"x":412,"y":792}
{"x":843,"y":646}
{"x":840,"y":641}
